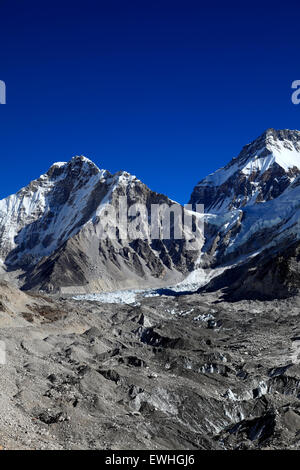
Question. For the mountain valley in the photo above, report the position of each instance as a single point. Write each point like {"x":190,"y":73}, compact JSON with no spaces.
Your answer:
{"x":147,"y":344}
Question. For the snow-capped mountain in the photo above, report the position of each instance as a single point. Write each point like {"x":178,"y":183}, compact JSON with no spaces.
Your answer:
{"x":44,"y":214}
{"x":253,"y":207}
{"x":261,"y":172}
{"x":49,"y":230}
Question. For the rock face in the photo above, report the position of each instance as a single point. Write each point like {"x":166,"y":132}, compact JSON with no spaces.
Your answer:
{"x":269,"y":276}
{"x":51,"y":230}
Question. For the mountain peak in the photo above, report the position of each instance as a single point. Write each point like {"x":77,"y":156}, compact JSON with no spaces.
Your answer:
{"x":77,"y":165}
{"x":273,"y":141}
{"x":262,"y":170}
{"x":77,"y":159}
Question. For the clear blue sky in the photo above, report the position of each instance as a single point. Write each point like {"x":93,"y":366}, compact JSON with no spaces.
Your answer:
{"x":167,"y":90}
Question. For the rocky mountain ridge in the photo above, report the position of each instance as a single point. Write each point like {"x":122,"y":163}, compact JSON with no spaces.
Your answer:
{"x":254,"y":225}
{"x":50,"y":231}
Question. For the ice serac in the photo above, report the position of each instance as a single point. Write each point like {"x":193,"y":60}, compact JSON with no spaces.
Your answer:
{"x":49,"y":232}
{"x":261,"y":172}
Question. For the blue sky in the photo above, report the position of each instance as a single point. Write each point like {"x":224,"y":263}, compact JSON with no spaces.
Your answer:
{"x":167,"y":90}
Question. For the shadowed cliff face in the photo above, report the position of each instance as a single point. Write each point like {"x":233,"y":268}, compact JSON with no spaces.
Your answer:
{"x":266,"y":277}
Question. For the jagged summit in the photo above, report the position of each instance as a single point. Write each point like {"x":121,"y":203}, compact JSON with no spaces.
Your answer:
{"x":74,"y":160}
{"x":77,"y":165}
{"x":262,"y":171}
{"x":80,"y":166}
